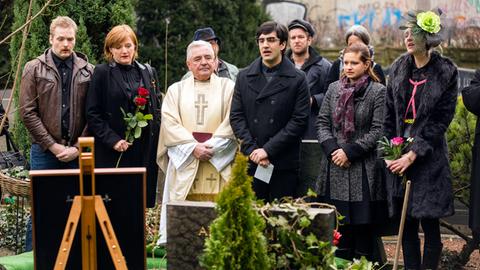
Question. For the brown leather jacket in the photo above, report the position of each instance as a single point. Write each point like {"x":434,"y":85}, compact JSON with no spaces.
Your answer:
{"x":41,"y":98}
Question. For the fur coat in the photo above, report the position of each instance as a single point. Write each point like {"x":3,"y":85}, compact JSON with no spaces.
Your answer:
{"x":431,"y":194}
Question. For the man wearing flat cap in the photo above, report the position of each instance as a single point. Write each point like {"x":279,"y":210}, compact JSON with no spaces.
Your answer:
{"x":224,"y":69}
{"x":307,"y":59}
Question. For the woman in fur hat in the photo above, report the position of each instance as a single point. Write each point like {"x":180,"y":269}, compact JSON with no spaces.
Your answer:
{"x":420,"y":104}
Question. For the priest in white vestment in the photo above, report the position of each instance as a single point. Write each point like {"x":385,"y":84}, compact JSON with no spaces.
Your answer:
{"x":196,"y":145}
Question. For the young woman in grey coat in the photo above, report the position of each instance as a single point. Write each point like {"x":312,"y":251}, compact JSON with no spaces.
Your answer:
{"x":420,"y":103}
{"x":349,"y":125}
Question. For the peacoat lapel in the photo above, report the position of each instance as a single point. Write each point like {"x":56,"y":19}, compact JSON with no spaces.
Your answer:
{"x":255,"y":79}
{"x":258,"y":83}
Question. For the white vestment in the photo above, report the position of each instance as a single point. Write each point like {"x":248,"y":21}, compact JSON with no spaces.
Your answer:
{"x":192,"y":106}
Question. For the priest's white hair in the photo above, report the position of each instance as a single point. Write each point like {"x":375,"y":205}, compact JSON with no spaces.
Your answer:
{"x":198,"y":43}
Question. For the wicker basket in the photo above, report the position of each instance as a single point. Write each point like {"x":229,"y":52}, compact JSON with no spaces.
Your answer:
{"x":14,"y":186}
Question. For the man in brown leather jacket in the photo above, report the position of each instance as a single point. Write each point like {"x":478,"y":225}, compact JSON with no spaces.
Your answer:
{"x":52,"y":102}
{"x":52,"y":97}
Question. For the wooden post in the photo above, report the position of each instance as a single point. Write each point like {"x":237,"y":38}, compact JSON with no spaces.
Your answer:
{"x":402,"y":224}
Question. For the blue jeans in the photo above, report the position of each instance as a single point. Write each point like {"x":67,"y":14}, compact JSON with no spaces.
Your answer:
{"x":40,"y":160}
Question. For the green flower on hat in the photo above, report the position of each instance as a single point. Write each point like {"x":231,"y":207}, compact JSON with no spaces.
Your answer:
{"x":429,"y":22}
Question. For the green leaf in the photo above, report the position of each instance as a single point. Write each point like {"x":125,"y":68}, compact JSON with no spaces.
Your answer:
{"x":138,"y":132}
{"x":123,"y":112}
{"x":311,"y":193}
{"x":304,"y":222}
{"x":148,"y":116}
{"x":132,"y":123}
{"x":282,"y":221}
{"x":142,"y":124}
{"x":311,"y":239}
{"x":139,"y":116}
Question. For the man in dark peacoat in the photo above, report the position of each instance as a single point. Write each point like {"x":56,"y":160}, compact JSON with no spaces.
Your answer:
{"x":269,"y":113}
{"x":471,"y":99}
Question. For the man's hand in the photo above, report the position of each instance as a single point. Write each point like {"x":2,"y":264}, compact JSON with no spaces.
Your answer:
{"x":56,"y":148}
{"x":203,"y":152}
{"x":258,"y":155}
{"x":264,"y":162}
{"x":69,"y":154}
{"x":340,"y":159}
{"x":121,"y":146}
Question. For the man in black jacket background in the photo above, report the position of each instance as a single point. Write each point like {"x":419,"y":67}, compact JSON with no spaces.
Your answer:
{"x":316,"y":68}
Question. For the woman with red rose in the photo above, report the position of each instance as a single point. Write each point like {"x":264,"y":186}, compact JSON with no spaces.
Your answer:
{"x":349,"y":125}
{"x":420,"y":103}
{"x":124,"y":84}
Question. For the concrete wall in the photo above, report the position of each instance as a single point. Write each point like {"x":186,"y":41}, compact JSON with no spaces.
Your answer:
{"x":331,"y":18}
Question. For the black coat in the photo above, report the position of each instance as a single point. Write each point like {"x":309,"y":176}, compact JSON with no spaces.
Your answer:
{"x":316,"y":69}
{"x":106,"y":96}
{"x":273,"y":115}
{"x":431,"y":194}
{"x":471,"y":99}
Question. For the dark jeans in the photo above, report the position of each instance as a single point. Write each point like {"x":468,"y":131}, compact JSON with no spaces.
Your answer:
{"x":40,"y":160}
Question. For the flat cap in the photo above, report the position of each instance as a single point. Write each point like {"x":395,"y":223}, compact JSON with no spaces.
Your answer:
{"x":299,"y":23}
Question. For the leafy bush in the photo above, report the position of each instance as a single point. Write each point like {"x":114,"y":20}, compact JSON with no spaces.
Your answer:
{"x":460,"y":136}
{"x":236,"y":236}
{"x":12,"y":235}
{"x":292,"y":242}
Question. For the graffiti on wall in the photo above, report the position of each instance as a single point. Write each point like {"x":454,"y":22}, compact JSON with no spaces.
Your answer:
{"x":461,"y":18}
{"x":371,"y":15}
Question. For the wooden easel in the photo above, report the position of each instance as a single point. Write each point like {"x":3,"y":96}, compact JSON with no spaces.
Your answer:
{"x":87,"y":207}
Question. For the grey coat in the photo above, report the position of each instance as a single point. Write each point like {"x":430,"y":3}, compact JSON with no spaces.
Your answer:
{"x":346,"y":183}
{"x":431,"y":195}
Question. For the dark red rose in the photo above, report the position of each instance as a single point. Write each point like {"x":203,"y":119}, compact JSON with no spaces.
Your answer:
{"x":140,"y":101}
{"x":336,"y":237}
{"x":143,"y":92}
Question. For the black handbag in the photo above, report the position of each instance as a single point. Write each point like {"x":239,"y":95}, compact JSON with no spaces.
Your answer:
{"x":12,"y":157}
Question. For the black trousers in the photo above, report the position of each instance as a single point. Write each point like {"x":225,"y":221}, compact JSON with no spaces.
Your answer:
{"x":431,"y":230}
{"x":283,"y":183}
{"x":356,"y":241}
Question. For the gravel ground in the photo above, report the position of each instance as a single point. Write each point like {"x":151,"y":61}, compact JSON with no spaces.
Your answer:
{"x":450,"y":243}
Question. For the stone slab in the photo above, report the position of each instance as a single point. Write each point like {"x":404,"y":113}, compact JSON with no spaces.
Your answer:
{"x":188,"y":226}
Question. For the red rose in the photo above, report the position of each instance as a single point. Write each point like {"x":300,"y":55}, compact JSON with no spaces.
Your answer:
{"x":140,"y":101}
{"x":336,"y":237}
{"x":143,"y":92}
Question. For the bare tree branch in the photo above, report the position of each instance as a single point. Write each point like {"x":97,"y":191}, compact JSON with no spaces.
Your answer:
{"x":19,"y":64}
{"x":449,"y":226}
{"x":27,"y":22}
